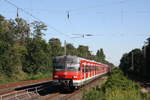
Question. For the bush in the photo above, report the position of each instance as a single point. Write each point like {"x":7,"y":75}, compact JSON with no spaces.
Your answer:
{"x":117,"y":87}
{"x":93,"y":94}
{"x":118,"y":81}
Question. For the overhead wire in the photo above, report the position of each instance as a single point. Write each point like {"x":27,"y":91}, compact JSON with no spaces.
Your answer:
{"x":98,"y":5}
{"x":30,"y":14}
{"x":53,"y":28}
{"x":81,"y":8}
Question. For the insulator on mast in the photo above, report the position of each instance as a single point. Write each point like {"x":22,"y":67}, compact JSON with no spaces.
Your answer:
{"x":17,"y":12}
{"x":68,"y":15}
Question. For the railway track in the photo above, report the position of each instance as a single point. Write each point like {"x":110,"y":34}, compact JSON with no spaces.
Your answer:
{"x":24,"y":90}
{"x":76,"y":95}
{"x":45,"y":90}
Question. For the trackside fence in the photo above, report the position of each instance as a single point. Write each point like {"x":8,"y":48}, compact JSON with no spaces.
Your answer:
{"x":22,"y":94}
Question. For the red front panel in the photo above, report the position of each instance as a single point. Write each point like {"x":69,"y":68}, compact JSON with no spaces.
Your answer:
{"x":75,"y":75}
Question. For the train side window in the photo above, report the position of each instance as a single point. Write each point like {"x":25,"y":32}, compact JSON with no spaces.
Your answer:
{"x":86,"y":68}
{"x":82,"y":69}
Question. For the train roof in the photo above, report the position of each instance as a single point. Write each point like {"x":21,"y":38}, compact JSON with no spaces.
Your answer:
{"x":76,"y":57}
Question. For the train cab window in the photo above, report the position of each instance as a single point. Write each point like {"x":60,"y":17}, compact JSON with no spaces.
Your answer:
{"x":58,"y":66}
{"x":71,"y":64}
{"x":65,"y":63}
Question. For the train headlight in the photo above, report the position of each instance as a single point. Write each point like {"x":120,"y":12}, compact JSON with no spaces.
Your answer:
{"x":75,"y":77}
{"x":55,"y":76}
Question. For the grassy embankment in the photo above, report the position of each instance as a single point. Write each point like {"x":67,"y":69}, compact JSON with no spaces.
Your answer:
{"x":116,"y":87}
{"x":24,"y":77}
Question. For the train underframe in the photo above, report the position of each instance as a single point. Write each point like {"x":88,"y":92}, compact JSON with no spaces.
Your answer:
{"x":67,"y":84}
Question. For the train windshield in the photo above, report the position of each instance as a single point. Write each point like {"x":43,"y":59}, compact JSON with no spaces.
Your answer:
{"x":58,"y":64}
{"x":66,"y":64}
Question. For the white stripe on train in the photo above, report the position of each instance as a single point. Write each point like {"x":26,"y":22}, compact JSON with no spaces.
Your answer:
{"x":86,"y":80}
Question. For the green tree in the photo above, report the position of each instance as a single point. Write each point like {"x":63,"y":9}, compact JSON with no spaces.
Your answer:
{"x":6,"y":30}
{"x":10,"y":55}
{"x":71,"y":50}
{"x":5,"y":60}
{"x":22,"y":29}
{"x":38,"y":58}
{"x":83,"y":51}
{"x":55,"y":44}
{"x":148,"y":41}
{"x":146,"y":53}
{"x":132,"y":62}
{"x":38,"y":27}
{"x":100,"y":56}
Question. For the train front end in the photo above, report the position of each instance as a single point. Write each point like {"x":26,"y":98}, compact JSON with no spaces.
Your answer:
{"x":66,"y":69}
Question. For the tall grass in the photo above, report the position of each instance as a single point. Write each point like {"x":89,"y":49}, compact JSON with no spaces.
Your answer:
{"x":38,"y":76}
{"x":117,"y":87}
{"x":23,"y":77}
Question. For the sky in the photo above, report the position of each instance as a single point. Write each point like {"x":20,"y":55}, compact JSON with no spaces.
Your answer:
{"x":117,"y":26}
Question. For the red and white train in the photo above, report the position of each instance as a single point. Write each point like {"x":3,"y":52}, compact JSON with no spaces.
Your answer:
{"x":73,"y":71}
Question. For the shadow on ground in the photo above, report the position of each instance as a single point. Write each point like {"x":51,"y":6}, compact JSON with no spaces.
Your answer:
{"x":44,"y":89}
